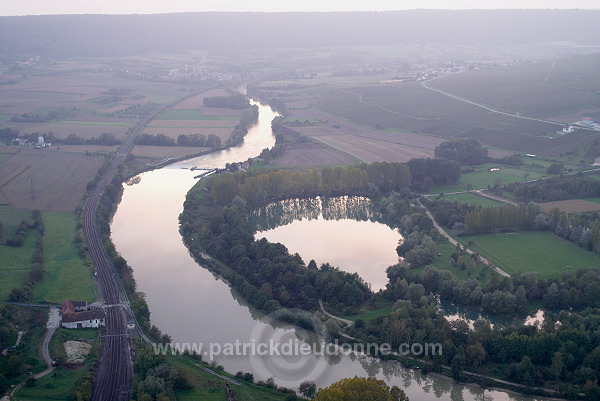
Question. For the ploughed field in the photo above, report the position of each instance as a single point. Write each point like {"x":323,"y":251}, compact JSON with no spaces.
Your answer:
{"x":521,"y":89}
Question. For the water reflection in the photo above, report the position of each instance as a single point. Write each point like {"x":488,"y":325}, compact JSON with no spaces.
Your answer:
{"x":340,"y":231}
{"x":190,"y":304}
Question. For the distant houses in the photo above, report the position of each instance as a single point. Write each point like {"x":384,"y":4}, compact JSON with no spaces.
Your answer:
{"x":590,"y":122}
{"x":79,"y":315}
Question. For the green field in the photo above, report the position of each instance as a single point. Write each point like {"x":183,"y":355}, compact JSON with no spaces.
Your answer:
{"x":482,"y":179}
{"x":11,"y":219}
{"x":212,"y":388}
{"x":472,"y":199}
{"x":57,"y":385}
{"x":15,"y":264}
{"x":593,"y":200}
{"x":66,"y":274}
{"x":183,"y":114}
{"x":532,"y":251}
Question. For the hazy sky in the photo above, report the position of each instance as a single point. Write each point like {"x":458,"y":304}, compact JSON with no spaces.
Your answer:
{"x":26,"y":7}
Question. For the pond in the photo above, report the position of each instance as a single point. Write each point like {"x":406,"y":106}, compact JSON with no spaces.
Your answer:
{"x":340,"y":231}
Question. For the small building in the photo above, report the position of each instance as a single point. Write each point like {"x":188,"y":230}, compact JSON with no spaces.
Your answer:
{"x":567,"y":129}
{"x":589,"y":122}
{"x":78,"y":315}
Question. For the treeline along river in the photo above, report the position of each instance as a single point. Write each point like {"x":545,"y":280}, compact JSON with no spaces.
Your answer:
{"x":193,"y":306}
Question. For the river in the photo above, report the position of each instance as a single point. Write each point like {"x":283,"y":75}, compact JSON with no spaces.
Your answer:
{"x":193,"y":306}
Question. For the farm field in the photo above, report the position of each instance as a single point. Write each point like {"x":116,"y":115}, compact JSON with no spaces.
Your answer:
{"x":51,"y":180}
{"x":412,"y":107}
{"x":571,"y":206}
{"x":312,"y":154}
{"x":196,"y":102}
{"x":66,"y":275}
{"x":531,"y":251}
{"x":97,"y":101}
{"x":480,"y":180}
{"x":472,"y":199}
{"x":559,"y":90}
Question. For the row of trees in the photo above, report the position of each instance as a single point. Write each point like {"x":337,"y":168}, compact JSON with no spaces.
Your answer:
{"x":503,"y":219}
{"x":258,"y":188}
{"x":425,"y":173}
{"x":556,"y":188}
{"x":200,"y":140}
{"x":235,"y":101}
{"x":103,"y":139}
{"x":248,"y":118}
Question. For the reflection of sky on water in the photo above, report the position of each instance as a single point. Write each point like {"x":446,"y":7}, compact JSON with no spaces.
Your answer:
{"x":362,"y":247}
{"x":190,"y":304}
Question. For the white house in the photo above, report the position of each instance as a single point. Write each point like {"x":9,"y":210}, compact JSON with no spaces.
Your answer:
{"x":567,"y":129}
{"x":78,"y":315}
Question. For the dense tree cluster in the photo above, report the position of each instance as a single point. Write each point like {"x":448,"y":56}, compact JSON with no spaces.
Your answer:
{"x":8,"y":134}
{"x":154,"y":377}
{"x":447,"y":212}
{"x":557,"y":188}
{"x":212,"y":141}
{"x":429,"y":172}
{"x":258,"y":188}
{"x":464,"y":151}
{"x":502,"y":219}
{"x":264,"y":273}
{"x":417,"y":249}
{"x":247,"y":119}
{"x":360,"y":389}
{"x":235,"y":101}
{"x":103,"y":139}
{"x":563,"y":355}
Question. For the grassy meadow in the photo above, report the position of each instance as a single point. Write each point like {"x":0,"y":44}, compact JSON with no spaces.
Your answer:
{"x":532,"y":251}
{"x":66,"y":274}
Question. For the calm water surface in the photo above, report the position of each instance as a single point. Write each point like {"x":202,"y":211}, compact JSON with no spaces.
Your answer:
{"x":334,"y":231}
{"x":193,"y":306}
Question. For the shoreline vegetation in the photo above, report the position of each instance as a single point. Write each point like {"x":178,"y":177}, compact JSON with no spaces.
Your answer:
{"x":528,"y":358}
{"x":181,"y":379}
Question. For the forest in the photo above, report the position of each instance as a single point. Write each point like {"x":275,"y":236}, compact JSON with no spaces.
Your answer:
{"x":564,"y":357}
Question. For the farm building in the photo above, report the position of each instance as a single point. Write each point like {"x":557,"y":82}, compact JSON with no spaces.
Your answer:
{"x":589,"y":122}
{"x":567,"y":129}
{"x":78,"y":314}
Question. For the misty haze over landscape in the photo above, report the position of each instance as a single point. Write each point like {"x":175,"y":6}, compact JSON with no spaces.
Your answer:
{"x":185,"y":196}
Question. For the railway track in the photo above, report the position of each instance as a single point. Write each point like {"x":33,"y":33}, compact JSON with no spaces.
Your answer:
{"x":115,"y":373}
